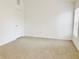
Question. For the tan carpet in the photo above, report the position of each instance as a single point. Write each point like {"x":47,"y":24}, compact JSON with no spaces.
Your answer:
{"x":36,"y":48}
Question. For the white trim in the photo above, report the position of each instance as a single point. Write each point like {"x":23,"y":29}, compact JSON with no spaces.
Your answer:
{"x":8,"y":41}
{"x":51,"y":37}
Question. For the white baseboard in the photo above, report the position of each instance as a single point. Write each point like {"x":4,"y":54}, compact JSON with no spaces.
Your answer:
{"x":51,"y":37}
{"x":8,"y":41}
{"x":13,"y":39}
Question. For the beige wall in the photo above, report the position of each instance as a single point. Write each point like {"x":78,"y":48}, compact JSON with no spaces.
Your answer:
{"x":9,"y":18}
{"x":49,"y":18}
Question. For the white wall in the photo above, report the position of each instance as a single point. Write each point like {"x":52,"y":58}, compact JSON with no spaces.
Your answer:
{"x":9,"y":18}
{"x":49,"y":18}
{"x":19,"y":13}
{"x":76,"y":25}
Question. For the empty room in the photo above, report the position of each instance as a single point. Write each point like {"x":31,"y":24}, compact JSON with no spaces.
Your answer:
{"x":39,"y":29}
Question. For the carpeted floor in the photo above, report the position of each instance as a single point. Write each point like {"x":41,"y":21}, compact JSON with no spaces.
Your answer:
{"x":38,"y":48}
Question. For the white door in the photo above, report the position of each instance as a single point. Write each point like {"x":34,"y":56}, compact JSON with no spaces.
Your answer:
{"x":76,"y":23}
{"x":76,"y":29}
